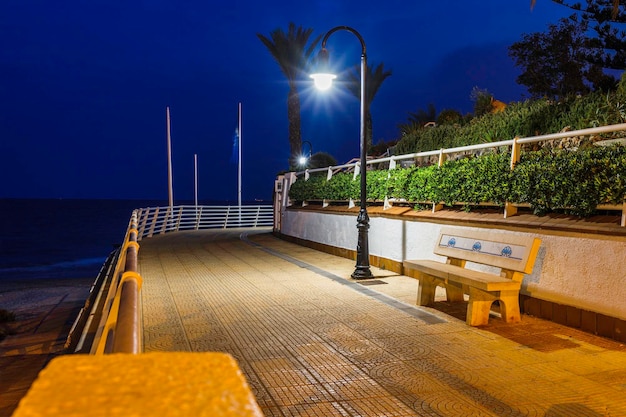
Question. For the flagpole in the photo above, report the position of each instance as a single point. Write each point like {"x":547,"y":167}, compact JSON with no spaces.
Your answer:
{"x":170,"y":190}
{"x":239,"y":163}
{"x":195,"y":178}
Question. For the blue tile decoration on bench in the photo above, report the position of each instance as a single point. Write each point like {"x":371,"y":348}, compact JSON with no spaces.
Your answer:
{"x":506,"y":251}
{"x":486,"y":247}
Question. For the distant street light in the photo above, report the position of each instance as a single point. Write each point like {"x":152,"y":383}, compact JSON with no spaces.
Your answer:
{"x":323,"y":81}
{"x":304,"y":160}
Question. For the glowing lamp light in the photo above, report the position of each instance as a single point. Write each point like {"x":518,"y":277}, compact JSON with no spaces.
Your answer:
{"x":303,"y":160}
{"x":323,"y":81}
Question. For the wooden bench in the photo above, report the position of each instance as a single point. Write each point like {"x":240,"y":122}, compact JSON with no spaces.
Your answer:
{"x":511,"y":254}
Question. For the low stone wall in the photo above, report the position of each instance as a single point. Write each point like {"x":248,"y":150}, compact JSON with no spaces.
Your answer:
{"x":585,"y":272}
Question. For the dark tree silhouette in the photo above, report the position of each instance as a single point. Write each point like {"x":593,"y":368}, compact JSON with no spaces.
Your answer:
{"x":374,"y":78}
{"x":292,"y":54}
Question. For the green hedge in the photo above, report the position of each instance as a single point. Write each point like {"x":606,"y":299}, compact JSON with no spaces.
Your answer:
{"x":572,"y":181}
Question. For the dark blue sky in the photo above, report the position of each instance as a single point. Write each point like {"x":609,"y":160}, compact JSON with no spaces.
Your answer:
{"x":84,"y":86}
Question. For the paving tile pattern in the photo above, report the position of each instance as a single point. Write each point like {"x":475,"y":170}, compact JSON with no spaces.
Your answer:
{"x":312,"y":346}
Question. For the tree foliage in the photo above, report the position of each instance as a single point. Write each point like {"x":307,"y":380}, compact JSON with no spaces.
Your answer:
{"x":482,"y":99}
{"x":321,"y":160}
{"x":614,"y":6}
{"x":417,"y":120}
{"x":556,"y":63}
{"x":605,"y":20}
{"x":292,"y":55}
{"x":374,"y":78}
{"x":523,"y":119}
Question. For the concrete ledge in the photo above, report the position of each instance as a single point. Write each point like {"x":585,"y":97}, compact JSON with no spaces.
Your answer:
{"x":151,"y":384}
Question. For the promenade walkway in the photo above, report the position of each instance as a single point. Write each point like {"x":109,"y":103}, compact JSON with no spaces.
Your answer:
{"x":312,"y":342}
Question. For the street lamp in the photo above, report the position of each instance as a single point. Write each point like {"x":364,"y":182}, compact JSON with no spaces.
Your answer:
{"x":323,"y":81}
{"x":303,"y":159}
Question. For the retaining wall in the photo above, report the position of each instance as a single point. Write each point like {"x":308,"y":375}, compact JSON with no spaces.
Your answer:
{"x":585,"y":272}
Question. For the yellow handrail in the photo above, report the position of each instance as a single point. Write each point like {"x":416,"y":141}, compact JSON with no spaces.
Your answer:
{"x":121,"y":332}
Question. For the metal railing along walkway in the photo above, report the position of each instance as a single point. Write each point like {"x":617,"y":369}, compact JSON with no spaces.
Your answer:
{"x":119,"y":327}
{"x":158,"y":220}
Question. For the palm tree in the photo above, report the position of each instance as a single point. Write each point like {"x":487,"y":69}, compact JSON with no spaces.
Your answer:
{"x":374,"y":79}
{"x":418,"y":120}
{"x":292,"y":55}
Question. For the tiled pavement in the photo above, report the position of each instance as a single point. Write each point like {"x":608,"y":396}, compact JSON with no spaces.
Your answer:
{"x":312,"y":342}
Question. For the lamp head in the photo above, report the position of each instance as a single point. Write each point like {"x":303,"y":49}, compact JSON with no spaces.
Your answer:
{"x":323,"y":78}
{"x":302,"y":160}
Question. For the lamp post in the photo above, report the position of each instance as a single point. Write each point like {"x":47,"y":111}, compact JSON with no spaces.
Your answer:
{"x":303,"y":160}
{"x":323,"y":81}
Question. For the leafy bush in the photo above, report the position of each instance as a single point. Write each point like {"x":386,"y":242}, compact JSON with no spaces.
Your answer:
{"x":548,"y":180}
{"x":473,"y":180}
{"x":311,"y":189}
{"x":377,"y":185}
{"x":523,"y":119}
{"x":342,"y":186}
{"x":574,"y":181}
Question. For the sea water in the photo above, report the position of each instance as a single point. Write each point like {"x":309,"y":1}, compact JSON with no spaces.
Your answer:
{"x":61,"y":238}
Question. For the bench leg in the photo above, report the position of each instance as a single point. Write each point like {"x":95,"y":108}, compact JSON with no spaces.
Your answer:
{"x":454,"y":293}
{"x":509,"y":306}
{"x":426,"y":291}
{"x":478,"y":307}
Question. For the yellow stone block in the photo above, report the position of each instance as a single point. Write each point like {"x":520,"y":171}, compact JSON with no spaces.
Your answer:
{"x":164,"y":384}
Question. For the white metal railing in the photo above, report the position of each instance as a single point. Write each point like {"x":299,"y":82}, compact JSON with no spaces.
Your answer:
{"x":158,"y":220}
{"x":288,"y":179}
{"x":442,"y":152}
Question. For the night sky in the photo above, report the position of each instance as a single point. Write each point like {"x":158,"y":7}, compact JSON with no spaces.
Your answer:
{"x":84,"y":86}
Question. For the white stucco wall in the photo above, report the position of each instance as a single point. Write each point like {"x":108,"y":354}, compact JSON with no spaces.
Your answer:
{"x":585,"y":272}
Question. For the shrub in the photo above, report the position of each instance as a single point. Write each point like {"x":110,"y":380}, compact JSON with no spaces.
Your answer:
{"x":343,"y":186}
{"x":572,"y":181}
{"x":524,"y":119}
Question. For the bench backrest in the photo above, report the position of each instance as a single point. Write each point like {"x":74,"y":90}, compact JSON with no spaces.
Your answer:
{"x":504,"y":250}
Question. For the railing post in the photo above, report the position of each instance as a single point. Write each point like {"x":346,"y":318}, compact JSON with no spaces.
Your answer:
{"x":509,"y":208}
{"x":142,"y":220}
{"x":442,"y":158}
{"x":154,"y":219}
{"x":168,"y":216}
{"x":198,"y":217}
{"x":178,"y":220}
{"x":226,"y":217}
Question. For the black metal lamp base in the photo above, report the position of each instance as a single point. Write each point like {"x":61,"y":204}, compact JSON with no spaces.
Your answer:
{"x":362,"y":272}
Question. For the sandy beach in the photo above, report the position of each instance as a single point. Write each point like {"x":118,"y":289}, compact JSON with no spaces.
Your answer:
{"x":45,"y":310}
